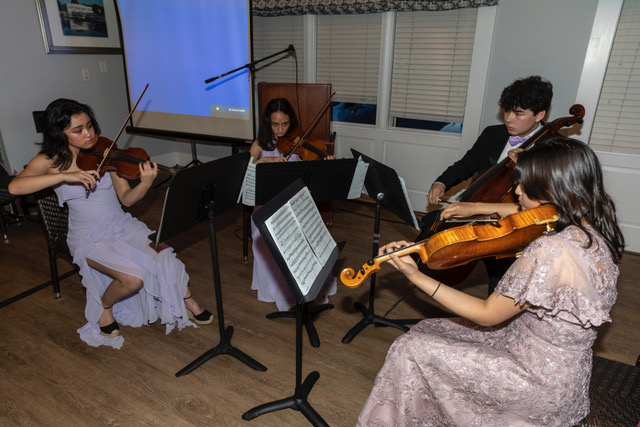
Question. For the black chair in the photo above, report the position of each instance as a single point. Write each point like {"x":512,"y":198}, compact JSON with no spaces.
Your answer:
{"x":6,"y":199}
{"x":55,"y":223}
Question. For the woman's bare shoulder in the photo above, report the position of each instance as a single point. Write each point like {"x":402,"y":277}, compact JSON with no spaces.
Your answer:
{"x":40,"y":165}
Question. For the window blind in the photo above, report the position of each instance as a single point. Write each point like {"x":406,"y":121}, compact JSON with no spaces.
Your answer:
{"x":432,"y":59}
{"x":348,"y":56}
{"x":271,"y":35}
{"x":616,"y":127}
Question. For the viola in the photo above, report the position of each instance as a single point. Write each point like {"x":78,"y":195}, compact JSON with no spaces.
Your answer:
{"x":460,"y":245}
{"x":106,"y":156}
{"x":307,"y":149}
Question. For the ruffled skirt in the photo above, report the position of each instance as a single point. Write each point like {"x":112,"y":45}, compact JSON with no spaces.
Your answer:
{"x":121,"y":242}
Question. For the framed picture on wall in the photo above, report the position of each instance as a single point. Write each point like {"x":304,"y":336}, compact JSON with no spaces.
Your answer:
{"x":79,"y":26}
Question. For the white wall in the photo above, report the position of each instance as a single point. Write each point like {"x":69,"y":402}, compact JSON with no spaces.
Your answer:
{"x":30,"y":79}
{"x":544,"y":37}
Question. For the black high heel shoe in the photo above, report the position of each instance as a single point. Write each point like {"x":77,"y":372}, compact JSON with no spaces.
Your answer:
{"x":112,"y":330}
{"x":204,"y":318}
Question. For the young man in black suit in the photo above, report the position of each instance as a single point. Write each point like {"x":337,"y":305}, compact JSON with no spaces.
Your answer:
{"x":524,"y":104}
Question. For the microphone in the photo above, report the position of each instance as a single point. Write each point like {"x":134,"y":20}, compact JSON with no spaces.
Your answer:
{"x":291,"y":50}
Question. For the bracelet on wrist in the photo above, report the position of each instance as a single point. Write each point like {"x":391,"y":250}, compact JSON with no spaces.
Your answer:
{"x":438,"y":287}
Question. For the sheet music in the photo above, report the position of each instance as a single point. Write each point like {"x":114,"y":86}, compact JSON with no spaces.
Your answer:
{"x":302,"y":238}
{"x":248,"y":191}
{"x":359,"y":175}
{"x":312,"y":225}
{"x":406,"y":197}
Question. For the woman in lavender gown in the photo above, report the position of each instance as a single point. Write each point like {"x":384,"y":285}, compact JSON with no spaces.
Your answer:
{"x":128,"y":280}
{"x":523,"y":356}
{"x":277,"y":119}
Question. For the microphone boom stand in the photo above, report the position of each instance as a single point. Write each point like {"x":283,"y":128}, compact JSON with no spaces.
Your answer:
{"x":251,"y":65}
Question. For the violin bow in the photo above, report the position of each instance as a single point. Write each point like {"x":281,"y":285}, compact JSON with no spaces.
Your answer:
{"x":108,"y":149}
{"x":106,"y":152}
{"x":312,"y":125}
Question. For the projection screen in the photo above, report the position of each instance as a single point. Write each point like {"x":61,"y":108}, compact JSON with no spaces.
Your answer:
{"x":174,"y":46}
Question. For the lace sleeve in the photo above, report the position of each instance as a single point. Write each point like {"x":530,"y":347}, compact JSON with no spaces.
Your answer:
{"x":559,"y":277}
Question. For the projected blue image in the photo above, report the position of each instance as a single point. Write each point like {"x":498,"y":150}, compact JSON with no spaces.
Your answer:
{"x":174,"y":46}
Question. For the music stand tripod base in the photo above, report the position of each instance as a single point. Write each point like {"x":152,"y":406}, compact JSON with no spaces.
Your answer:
{"x":307,"y":316}
{"x":298,"y":401}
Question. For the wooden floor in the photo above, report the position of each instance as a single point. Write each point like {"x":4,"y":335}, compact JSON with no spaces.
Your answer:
{"x":48,"y":376}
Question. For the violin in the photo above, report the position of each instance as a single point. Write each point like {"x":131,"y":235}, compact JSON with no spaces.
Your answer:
{"x":106,"y":156}
{"x":308,"y":149}
{"x":460,"y":245}
{"x":297,"y":143}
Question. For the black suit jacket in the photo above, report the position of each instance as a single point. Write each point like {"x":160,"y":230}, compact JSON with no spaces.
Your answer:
{"x":480,"y":157}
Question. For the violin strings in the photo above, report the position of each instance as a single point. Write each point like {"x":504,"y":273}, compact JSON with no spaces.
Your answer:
{"x":136,"y":160}
{"x":126,"y":157}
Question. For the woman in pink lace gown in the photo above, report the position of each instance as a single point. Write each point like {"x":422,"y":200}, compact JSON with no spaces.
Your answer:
{"x":278,"y":117}
{"x":523,"y":356}
{"x":127,"y":279}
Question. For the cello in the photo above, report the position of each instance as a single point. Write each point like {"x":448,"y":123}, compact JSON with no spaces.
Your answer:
{"x":495,"y":185}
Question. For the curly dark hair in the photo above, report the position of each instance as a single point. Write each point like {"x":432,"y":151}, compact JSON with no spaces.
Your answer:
{"x":265,"y":136}
{"x":533,"y":93}
{"x":57,"y":118}
{"x":567,"y":173}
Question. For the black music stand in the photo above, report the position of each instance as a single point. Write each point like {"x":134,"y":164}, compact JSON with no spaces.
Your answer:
{"x":195,"y":194}
{"x":382,"y":184}
{"x":304,"y":293}
{"x":326,"y":180}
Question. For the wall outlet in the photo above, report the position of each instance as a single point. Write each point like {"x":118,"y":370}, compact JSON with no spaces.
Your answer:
{"x":85,"y":75}
{"x":103,"y":66}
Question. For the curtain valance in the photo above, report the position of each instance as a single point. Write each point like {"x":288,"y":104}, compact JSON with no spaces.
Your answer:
{"x":345,"y":7}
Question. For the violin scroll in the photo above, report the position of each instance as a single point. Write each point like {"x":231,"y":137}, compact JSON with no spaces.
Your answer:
{"x":352,"y":280}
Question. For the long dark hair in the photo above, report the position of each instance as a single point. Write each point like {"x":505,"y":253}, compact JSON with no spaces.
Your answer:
{"x":265,"y":136}
{"x":57,"y":117}
{"x":567,"y":173}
